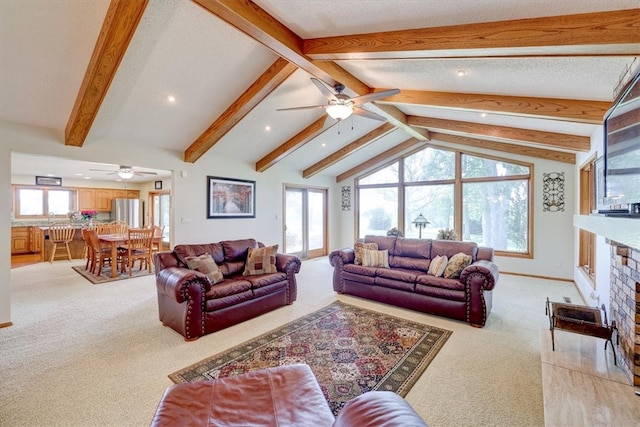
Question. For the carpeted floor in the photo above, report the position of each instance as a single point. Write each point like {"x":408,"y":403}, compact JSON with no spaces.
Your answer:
{"x":81,"y":355}
{"x":350,"y":350}
{"x":105,"y":275}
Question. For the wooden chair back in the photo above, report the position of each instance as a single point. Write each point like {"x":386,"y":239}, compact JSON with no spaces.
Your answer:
{"x":61,"y":232}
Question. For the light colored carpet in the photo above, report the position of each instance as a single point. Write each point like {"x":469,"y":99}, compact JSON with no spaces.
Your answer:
{"x":81,"y":355}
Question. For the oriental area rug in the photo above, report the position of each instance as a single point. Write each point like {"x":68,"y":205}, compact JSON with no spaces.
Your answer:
{"x":350,"y":350}
{"x":105,"y":275}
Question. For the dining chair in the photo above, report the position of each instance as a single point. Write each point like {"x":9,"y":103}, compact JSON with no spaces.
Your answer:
{"x":119,"y":227}
{"x":89,"y":252}
{"x":156,"y":243}
{"x":60,"y":234}
{"x":137,"y":247}
{"x":101,"y":253}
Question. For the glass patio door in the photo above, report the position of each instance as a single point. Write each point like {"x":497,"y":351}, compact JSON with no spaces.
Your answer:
{"x":305,"y":222}
{"x":161,"y":215}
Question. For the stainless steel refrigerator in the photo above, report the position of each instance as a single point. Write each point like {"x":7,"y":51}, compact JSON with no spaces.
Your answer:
{"x":128,"y":210}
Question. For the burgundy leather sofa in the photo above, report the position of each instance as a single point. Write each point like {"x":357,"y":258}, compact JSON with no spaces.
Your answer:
{"x":281,"y":396}
{"x":407,"y":284}
{"x":192,"y":306}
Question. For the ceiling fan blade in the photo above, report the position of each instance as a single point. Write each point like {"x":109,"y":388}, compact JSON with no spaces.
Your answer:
{"x":324,"y":89}
{"x":368,"y":114}
{"x":144,"y":173}
{"x":310,"y":107}
{"x":374,"y":95}
{"x":102,"y":170}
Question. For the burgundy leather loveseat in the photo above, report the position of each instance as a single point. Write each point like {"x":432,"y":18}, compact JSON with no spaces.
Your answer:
{"x":192,"y":305}
{"x":406,"y":283}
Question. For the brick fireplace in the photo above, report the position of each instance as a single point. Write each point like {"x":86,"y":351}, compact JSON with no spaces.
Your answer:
{"x":625,"y":307}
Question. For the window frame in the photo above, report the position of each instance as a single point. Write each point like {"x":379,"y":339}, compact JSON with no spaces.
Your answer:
{"x":458,"y":183}
{"x":15,"y":196}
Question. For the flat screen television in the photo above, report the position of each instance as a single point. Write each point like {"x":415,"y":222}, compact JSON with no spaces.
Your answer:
{"x":622,"y":151}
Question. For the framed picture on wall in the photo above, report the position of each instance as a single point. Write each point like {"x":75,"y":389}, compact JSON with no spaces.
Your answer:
{"x":49,"y":181}
{"x":158,"y":185}
{"x":230,"y":198}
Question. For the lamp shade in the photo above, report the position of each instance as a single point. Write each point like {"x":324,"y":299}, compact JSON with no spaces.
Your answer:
{"x":420,"y":221}
{"x":125,"y":173}
{"x":339,"y":111}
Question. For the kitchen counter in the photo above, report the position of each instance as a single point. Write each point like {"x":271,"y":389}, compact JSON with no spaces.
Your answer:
{"x":76,"y":247}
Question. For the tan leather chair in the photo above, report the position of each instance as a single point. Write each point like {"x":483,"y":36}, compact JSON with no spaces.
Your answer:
{"x":60,"y":234}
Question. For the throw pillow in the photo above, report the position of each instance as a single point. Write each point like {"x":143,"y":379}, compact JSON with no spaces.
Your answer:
{"x":437,"y":266}
{"x":456,"y":264}
{"x":371,"y":258}
{"x":206,"y":265}
{"x":359,"y":247}
{"x":261,"y":261}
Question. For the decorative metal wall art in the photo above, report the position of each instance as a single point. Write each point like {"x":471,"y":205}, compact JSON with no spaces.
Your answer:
{"x":346,"y":197}
{"x":553,"y":192}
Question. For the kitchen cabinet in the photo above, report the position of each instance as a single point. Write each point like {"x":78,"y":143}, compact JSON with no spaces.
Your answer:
{"x":99,"y":199}
{"x":35,"y":239}
{"x":86,"y":199}
{"x":103,"y":199}
{"x":20,"y":240}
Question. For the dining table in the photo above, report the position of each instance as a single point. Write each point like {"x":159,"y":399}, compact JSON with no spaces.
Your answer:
{"x":115,"y":240}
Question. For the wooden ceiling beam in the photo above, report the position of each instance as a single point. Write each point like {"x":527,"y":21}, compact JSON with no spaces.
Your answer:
{"x":574,"y":110}
{"x":301,"y":138}
{"x":277,"y":73}
{"x":382,"y":158}
{"x":120,"y":23}
{"x":599,"y":33}
{"x":249,"y":18}
{"x":522,"y":150}
{"x":348,"y":149}
{"x":549,"y":139}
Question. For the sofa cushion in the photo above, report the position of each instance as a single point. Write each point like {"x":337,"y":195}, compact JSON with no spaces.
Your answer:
{"x":384,"y":242}
{"x":413,"y":248}
{"x":184,"y":251}
{"x":440,"y":282}
{"x":206,"y":265}
{"x":359,"y":247}
{"x":236,"y":250}
{"x":262,"y":280}
{"x":261,"y":260}
{"x":437,"y":266}
{"x":228,"y":287}
{"x":452,"y":247}
{"x":456,"y":264}
{"x":409,"y":263}
{"x":375,"y":258}
{"x":359,"y":269}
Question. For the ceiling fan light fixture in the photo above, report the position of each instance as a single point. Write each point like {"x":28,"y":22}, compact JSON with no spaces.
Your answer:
{"x":339,"y":111}
{"x":125,"y":173}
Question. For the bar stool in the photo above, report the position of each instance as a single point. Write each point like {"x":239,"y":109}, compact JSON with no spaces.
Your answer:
{"x":60,"y":234}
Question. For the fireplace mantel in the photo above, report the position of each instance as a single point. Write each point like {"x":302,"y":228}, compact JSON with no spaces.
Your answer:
{"x":621,"y":230}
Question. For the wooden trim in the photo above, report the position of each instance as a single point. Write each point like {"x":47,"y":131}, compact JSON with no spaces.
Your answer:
{"x":537,"y":276}
{"x":273,"y":77}
{"x":5,"y":325}
{"x":599,"y":33}
{"x":522,"y":150}
{"x":381,"y":159}
{"x":549,"y":139}
{"x":574,"y":110}
{"x":300,"y":139}
{"x":120,"y":23}
{"x":345,"y":151}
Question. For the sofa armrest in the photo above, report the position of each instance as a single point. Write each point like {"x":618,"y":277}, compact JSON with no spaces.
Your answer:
{"x":378,"y":408}
{"x":287,"y":263}
{"x":342,"y":256}
{"x":174,"y":281}
{"x":486,"y":271}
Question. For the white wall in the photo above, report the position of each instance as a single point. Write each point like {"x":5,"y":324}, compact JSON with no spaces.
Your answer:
{"x":188,"y":191}
{"x":599,"y":295}
{"x":552,"y":231}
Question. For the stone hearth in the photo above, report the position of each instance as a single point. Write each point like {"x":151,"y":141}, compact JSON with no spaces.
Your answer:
{"x":625,"y":307}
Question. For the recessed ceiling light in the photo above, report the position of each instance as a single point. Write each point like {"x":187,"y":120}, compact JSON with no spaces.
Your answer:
{"x":483,"y":115}
{"x":78,"y":174}
{"x":323,"y":144}
{"x":267,"y":128}
{"x":461,"y":73}
{"x":87,"y":177}
{"x":171,"y":98}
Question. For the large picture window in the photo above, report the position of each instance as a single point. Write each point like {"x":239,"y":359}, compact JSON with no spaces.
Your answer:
{"x":36,"y":203}
{"x":485,"y":200}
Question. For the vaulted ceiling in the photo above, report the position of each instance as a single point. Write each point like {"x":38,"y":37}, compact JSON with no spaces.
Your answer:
{"x":537,"y":78}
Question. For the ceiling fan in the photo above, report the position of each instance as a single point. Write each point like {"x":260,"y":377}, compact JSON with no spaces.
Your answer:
{"x":341,"y":106}
{"x":124,"y":172}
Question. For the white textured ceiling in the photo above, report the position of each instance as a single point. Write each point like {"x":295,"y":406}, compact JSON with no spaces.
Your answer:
{"x":180,"y":49}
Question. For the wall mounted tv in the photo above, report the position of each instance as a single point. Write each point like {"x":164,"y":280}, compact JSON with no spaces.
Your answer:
{"x":622,"y":151}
